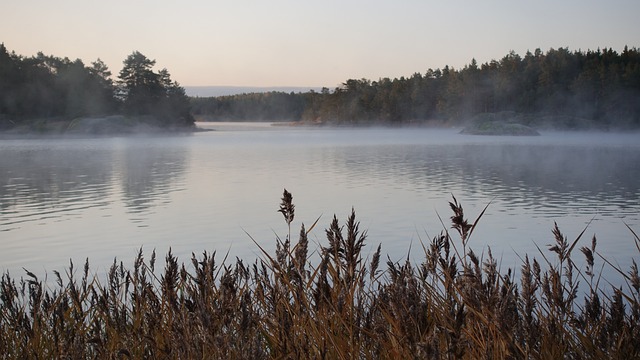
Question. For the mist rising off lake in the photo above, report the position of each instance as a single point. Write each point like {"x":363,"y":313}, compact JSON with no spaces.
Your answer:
{"x":104,"y":198}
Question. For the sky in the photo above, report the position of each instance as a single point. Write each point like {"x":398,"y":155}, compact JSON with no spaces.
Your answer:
{"x":310,"y":43}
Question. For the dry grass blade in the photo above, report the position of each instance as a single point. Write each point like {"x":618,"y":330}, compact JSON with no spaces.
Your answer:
{"x":475,"y":223}
{"x":636,"y":238}
{"x":573,"y":244}
{"x":313,"y":225}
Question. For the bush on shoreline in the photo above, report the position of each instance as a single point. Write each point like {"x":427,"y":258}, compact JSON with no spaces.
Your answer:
{"x":452,"y":305}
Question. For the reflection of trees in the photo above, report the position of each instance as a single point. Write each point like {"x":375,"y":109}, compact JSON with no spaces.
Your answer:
{"x":149,"y":172}
{"x":557,"y":169}
{"x":46,"y":179}
{"x":524,"y":174}
{"x":42,"y":178}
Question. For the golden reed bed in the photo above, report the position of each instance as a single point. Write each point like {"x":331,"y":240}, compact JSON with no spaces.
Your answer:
{"x":346,"y":306}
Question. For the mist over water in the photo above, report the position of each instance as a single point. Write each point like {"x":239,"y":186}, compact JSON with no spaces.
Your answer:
{"x":103,"y":198}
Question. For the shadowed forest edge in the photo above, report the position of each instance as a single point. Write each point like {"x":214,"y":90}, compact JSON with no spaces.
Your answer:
{"x":559,"y":89}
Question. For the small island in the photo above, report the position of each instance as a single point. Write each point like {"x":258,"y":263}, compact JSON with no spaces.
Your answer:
{"x":499,"y":128}
{"x":505,"y":123}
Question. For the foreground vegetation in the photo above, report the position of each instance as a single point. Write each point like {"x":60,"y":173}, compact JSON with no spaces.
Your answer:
{"x":558,"y":88}
{"x":451,"y":305}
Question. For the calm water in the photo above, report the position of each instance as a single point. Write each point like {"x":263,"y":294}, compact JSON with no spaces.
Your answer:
{"x":105,"y":198}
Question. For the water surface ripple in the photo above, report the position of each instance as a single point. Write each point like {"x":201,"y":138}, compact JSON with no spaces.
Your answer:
{"x":104,"y":198}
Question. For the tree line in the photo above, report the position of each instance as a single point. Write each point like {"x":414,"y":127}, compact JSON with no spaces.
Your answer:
{"x":265,"y":106}
{"x":599,"y":87}
{"x":50,"y":87}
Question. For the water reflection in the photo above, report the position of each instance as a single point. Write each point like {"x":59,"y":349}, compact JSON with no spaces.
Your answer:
{"x":61,"y":179}
{"x":567,"y":178}
{"x":44,"y":181}
{"x":102,"y":198}
{"x":148,"y":173}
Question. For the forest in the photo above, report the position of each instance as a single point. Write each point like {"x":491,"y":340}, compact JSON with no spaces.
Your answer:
{"x":45,"y":88}
{"x":558,"y":88}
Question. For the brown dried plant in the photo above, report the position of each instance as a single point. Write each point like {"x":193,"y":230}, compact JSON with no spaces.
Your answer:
{"x":452,"y":305}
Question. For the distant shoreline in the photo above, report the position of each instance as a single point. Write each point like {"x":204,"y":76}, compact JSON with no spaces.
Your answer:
{"x":110,"y":125}
{"x":215,"y":91}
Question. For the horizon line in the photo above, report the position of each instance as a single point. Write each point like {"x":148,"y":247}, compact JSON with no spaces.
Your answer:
{"x":226,"y":90}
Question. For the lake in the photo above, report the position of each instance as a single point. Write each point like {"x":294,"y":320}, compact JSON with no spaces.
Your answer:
{"x":105,"y":198}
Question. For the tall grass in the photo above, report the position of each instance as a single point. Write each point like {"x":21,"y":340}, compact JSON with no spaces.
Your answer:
{"x":452,"y":305}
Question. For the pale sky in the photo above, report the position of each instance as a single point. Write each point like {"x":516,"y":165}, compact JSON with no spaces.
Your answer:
{"x":305,"y":43}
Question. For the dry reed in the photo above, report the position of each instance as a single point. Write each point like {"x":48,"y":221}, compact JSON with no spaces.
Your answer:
{"x":453,"y":305}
